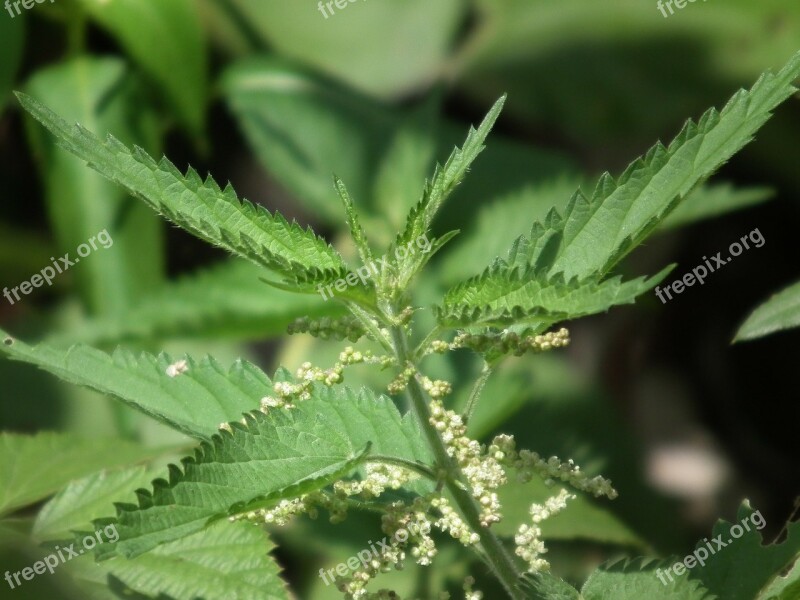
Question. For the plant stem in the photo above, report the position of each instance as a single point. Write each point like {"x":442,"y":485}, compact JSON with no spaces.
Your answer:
{"x":496,"y":555}
{"x":476,"y":392}
{"x":418,"y":468}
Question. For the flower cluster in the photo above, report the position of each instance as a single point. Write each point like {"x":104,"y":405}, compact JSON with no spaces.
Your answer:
{"x":378,"y":478}
{"x":452,"y":523}
{"x":529,"y":542}
{"x":528,"y":463}
{"x":399,"y":383}
{"x":483,"y":471}
{"x":353,"y":586}
{"x":506,"y":342}
{"x":346,"y":327}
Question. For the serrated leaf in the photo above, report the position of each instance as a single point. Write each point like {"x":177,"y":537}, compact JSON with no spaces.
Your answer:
{"x":353,"y":223}
{"x":597,"y":231}
{"x":227,"y":300}
{"x":781,"y":311}
{"x":32,"y":467}
{"x":194,"y":402}
{"x":280,"y":455}
{"x":620,"y":213}
{"x":503,"y":296}
{"x":198,"y":206}
{"x":225,"y":560}
{"x":744,"y":565}
{"x":166,"y":40}
{"x":638,"y":579}
{"x":438,"y":189}
{"x":544,"y":586}
{"x":87,"y":499}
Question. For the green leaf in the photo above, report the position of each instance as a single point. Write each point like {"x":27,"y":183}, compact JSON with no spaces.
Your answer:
{"x":32,"y":467}
{"x":596,"y":232}
{"x":365,"y":44}
{"x":227,"y":300}
{"x":506,"y":295}
{"x":783,"y":588}
{"x":225,"y":560}
{"x":544,"y":586}
{"x":781,"y":311}
{"x":586,"y":518}
{"x":280,"y":455}
{"x":194,"y":402}
{"x":508,"y":217}
{"x":104,"y":96}
{"x":638,"y":579}
{"x":201,"y":208}
{"x":744,"y":566}
{"x":714,"y":200}
{"x":356,"y":230}
{"x":298,"y":123}
{"x":87,"y":499}
{"x":166,"y":40}
{"x":437,"y":190}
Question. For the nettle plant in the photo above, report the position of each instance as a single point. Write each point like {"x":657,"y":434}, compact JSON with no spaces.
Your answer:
{"x":272,"y":449}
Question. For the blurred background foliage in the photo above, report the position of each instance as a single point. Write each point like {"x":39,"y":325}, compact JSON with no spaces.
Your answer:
{"x":275,"y":97}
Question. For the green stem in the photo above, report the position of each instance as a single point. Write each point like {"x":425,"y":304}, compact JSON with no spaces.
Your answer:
{"x":472,"y":402}
{"x":496,"y":555}
{"x":418,"y":468}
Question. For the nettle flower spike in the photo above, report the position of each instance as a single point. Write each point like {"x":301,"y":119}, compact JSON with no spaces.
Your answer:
{"x":529,"y":542}
{"x":509,"y":342}
{"x":527,"y":464}
{"x":482,"y":470}
{"x":347,"y":327}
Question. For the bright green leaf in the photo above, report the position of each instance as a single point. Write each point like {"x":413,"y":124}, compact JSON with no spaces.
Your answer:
{"x":597,"y":231}
{"x":366,"y":44}
{"x":638,"y":579}
{"x":166,"y":40}
{"x":194,"y":402}
{"x":200,"y":207}
{"x":227,"y":300}
{"x":225,"y":560}
{"x":87,"y":499}
{"x":32,"y":467}
{"x":504,"y":296}
{"x":585,"y":518}
{"x":781,"y":311}
{"x":276,"y":456}
{"x":743,"y":566}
